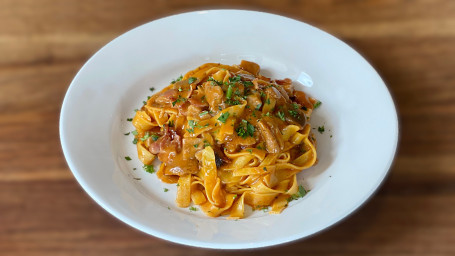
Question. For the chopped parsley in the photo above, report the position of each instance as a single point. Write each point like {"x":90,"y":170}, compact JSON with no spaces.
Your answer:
{"x":295,"y":105}
{"x":148,"y":168}
{"x":223,"y":117}
{"x":321,"y":129}
{"x":129,"y":119}
{"x":214,"y":81}
{"x":178,"y":79}
{"x":192,"y":80}
{"x":250,"y":150}
{"x":317,"y":104}
{"x":245,"y":129}
{"x":179,"y":99}
{"x":265,"y":169}
{"x":152,"y":89}
{"x":206,"y":143}
{"x":294,"y":113}
{"x":134,"y":132}
{"x":268,"y":114}
{"x":193,"y":209}
{"x":146,"y":136}
{"x":135,"y":141}
{"x":196,"y":145}
{"x":180,"y":89}
{"x":258,"y":106}
{"x":128,"y":158}
{"x":235,"y":79}
{"x":155,"y":137}
{"x":166,"y":190}
{"x":247,"y":83}
{"x":267,"y":101}
{"x":280,"y":114}
{"x":301,"y":193}
{"x":229,"y":91}
{"x":192,"y":124}
{"x":126,"y":134}
{"x":203,"y":113}
{"x":233,"y":102}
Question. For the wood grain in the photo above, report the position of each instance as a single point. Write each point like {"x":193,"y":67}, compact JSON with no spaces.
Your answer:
{"x":43,"y":211}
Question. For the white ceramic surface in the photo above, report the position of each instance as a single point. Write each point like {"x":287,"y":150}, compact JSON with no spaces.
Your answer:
{"x":355,"y":151}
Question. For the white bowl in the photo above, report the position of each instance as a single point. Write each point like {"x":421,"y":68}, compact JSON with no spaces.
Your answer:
{"x":355,"y":151}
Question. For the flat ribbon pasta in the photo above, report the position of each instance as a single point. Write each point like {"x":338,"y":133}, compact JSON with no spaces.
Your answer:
{"x":229,"y":137}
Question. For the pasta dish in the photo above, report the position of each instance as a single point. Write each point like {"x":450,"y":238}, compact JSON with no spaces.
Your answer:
{"x":228,"y":137}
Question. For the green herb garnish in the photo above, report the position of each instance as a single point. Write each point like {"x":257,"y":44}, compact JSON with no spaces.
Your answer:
{"x":178,"y":79}
{"x":134,"y":132}
{"x":247,"y":83}
{"x":280,"y":114}
{"x":146,"y":136}
{"x":245,"y":129}
{"x":148,"y":168}
{"x":128,"y":158}
{"x":294,"y":113}
{"x":152,"y":89}
{"x":301,"y":193}
{"x":192,"y":80}
{"x":223,"y":117}
{"x":192,"y":124}
{"x":229,"y":91}
{"x":321,"y":129}
{"x":129,"y":119}
{"x":179,"y":99}
{"x":317,"y":104}
{"x":126,"y":134}
{"x":155,"y":137}
{"x":203,"y":113}
{"x":166,"y":190}
{"x":193,"y":209}
{"x":215,"y":81}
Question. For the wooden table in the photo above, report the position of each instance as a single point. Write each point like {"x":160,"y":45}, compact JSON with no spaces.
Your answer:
{"x":43,"y":210}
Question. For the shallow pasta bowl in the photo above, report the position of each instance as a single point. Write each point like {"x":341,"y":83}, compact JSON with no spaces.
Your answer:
{"x":355,"y":150}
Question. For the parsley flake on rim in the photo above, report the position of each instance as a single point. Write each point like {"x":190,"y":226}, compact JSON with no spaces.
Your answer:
{"x":148,"y":168}
{"x":321,"y":129}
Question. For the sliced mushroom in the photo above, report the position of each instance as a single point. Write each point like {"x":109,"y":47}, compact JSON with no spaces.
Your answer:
{"x":271,"y":144}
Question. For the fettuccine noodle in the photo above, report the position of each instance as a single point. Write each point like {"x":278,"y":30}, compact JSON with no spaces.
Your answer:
{"x":229,"y":137}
